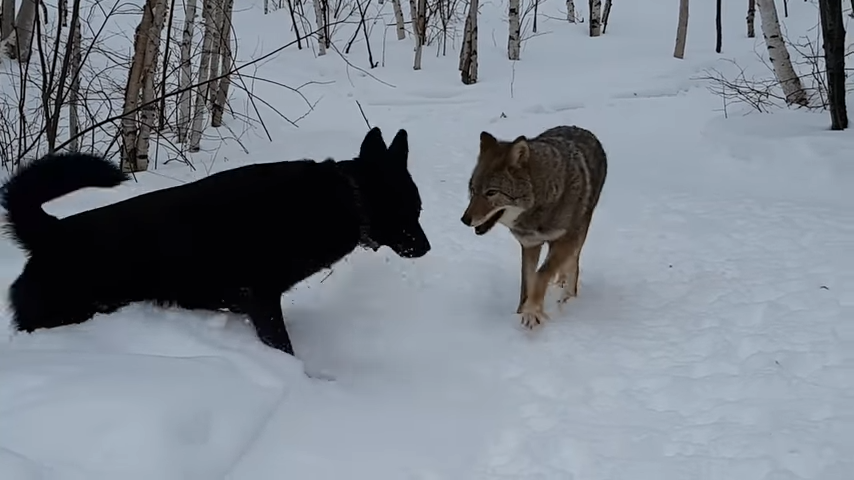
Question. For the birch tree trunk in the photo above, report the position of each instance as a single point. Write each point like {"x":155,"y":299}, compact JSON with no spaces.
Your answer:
{"x":468,"y":54}
{"x":204,"y":70}
{"x":74,"y":88}
{"x":595,"y":17}
{"x":681,"y":30}
{"x":19,"y":44}
{"x":321,"y":27}
{"x":420,"y":28}
{"x":148,"y":112}
{"x":186,"y":76}
{"x":130,"y":133}
{"x":413,"y":15}
{"x":227,"y":60}
{"x":514,"y":41}
{"x":570,"y":11}
{"x":216,"y":57}
{"x":779,"y":54}
{"x":7,"y":24}
{"x":751,"y":12}
{"x":833,"y":34}
{"x":398,"y":18}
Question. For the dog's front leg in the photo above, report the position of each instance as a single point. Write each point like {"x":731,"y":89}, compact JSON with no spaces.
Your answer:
{"x":265,"y":312}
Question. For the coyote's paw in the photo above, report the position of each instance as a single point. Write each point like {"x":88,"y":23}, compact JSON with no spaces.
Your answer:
{"x":533,"y":317}
{"x":565,"y":296}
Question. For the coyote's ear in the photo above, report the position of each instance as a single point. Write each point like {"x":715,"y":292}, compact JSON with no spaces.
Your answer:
{"x":373,"y":146}
{"x":519,"y":151}
{"x":398,"y":151}
{"x":487,"y":141}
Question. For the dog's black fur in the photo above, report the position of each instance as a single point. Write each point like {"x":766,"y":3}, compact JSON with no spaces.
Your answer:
{"x":236,"y":240}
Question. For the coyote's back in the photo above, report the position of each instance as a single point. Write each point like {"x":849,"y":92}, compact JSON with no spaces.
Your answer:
{"x":575,"y":156}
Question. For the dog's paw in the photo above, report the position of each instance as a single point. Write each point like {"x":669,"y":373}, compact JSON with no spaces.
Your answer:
{"x":533,"y":317}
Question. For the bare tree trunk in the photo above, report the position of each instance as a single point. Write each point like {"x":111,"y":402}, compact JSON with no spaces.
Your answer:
{"x":130,"y":133}
{"x":833,"y":34}
{"x":184,"y":98}
{"x":227,"y":60}
{"x":681,"y":30}
{"x":514,"y":41}
{"x":20,"y":42}
{"x":398,"y":18}
{"x":216,"y":49}
{"x":321,"y":27}
{"x":149,"y":106}
{"x":751,"y":12}
{"x":7,"y":24}
{"x":779,"y":54}
{"x":595,"y":17}
{"x":468,"y":54}
{"x":536,"y":14}
{"x":161,"y":109}
{"x":294,"y":23}
{"x":204,"y":70}
{"x":570,"y":11}
{"x":74,"y":88}
{"x":420,"y":28}
{"x":606,"y":14}
{"x":718,"y":33}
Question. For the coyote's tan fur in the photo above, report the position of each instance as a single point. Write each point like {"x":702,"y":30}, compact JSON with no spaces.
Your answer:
{"x":544,"y":189}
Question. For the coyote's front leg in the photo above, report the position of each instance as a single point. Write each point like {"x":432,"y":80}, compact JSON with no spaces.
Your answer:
{"x":532,"y":310}
{"x":530,"y":257}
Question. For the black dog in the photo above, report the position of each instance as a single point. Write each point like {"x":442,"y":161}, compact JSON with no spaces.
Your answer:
{"x":236,"y":240}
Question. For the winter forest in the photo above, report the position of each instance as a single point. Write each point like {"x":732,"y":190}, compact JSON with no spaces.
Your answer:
{"x":712,"y":336}
{"x":70,"y":83}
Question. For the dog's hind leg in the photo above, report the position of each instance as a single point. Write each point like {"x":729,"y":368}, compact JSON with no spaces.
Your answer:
{"x":35,"y":305}
{"x":265,"y":311}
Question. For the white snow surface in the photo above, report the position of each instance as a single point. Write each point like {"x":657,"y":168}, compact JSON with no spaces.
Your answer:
{"x":713,"y":337}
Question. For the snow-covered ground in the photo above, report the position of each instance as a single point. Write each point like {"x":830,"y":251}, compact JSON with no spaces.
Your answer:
{"x":713,"y":338}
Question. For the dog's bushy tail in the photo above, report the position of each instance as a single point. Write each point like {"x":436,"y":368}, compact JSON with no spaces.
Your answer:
{"x":45,"y":179}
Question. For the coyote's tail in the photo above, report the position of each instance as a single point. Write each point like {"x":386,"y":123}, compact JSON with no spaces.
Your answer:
{"x":45,"y":179}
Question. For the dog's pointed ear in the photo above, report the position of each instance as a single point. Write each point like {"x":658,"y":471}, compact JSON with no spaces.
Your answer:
{"x":399,"y":149}
{"x":519,"y":151}
{"x":373,"y":146}
{"x":487,"y":141}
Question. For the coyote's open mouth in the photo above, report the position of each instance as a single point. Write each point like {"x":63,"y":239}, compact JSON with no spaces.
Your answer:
{"x":489,"y":223}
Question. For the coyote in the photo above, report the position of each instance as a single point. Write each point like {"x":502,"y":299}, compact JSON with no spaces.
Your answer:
{"x":544,"y":189}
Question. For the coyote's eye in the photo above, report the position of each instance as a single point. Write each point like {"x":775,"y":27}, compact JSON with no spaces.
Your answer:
{"x":491,"y":192}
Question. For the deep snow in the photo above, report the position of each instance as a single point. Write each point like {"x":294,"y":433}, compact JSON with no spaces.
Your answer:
{"x":712,"y":338}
